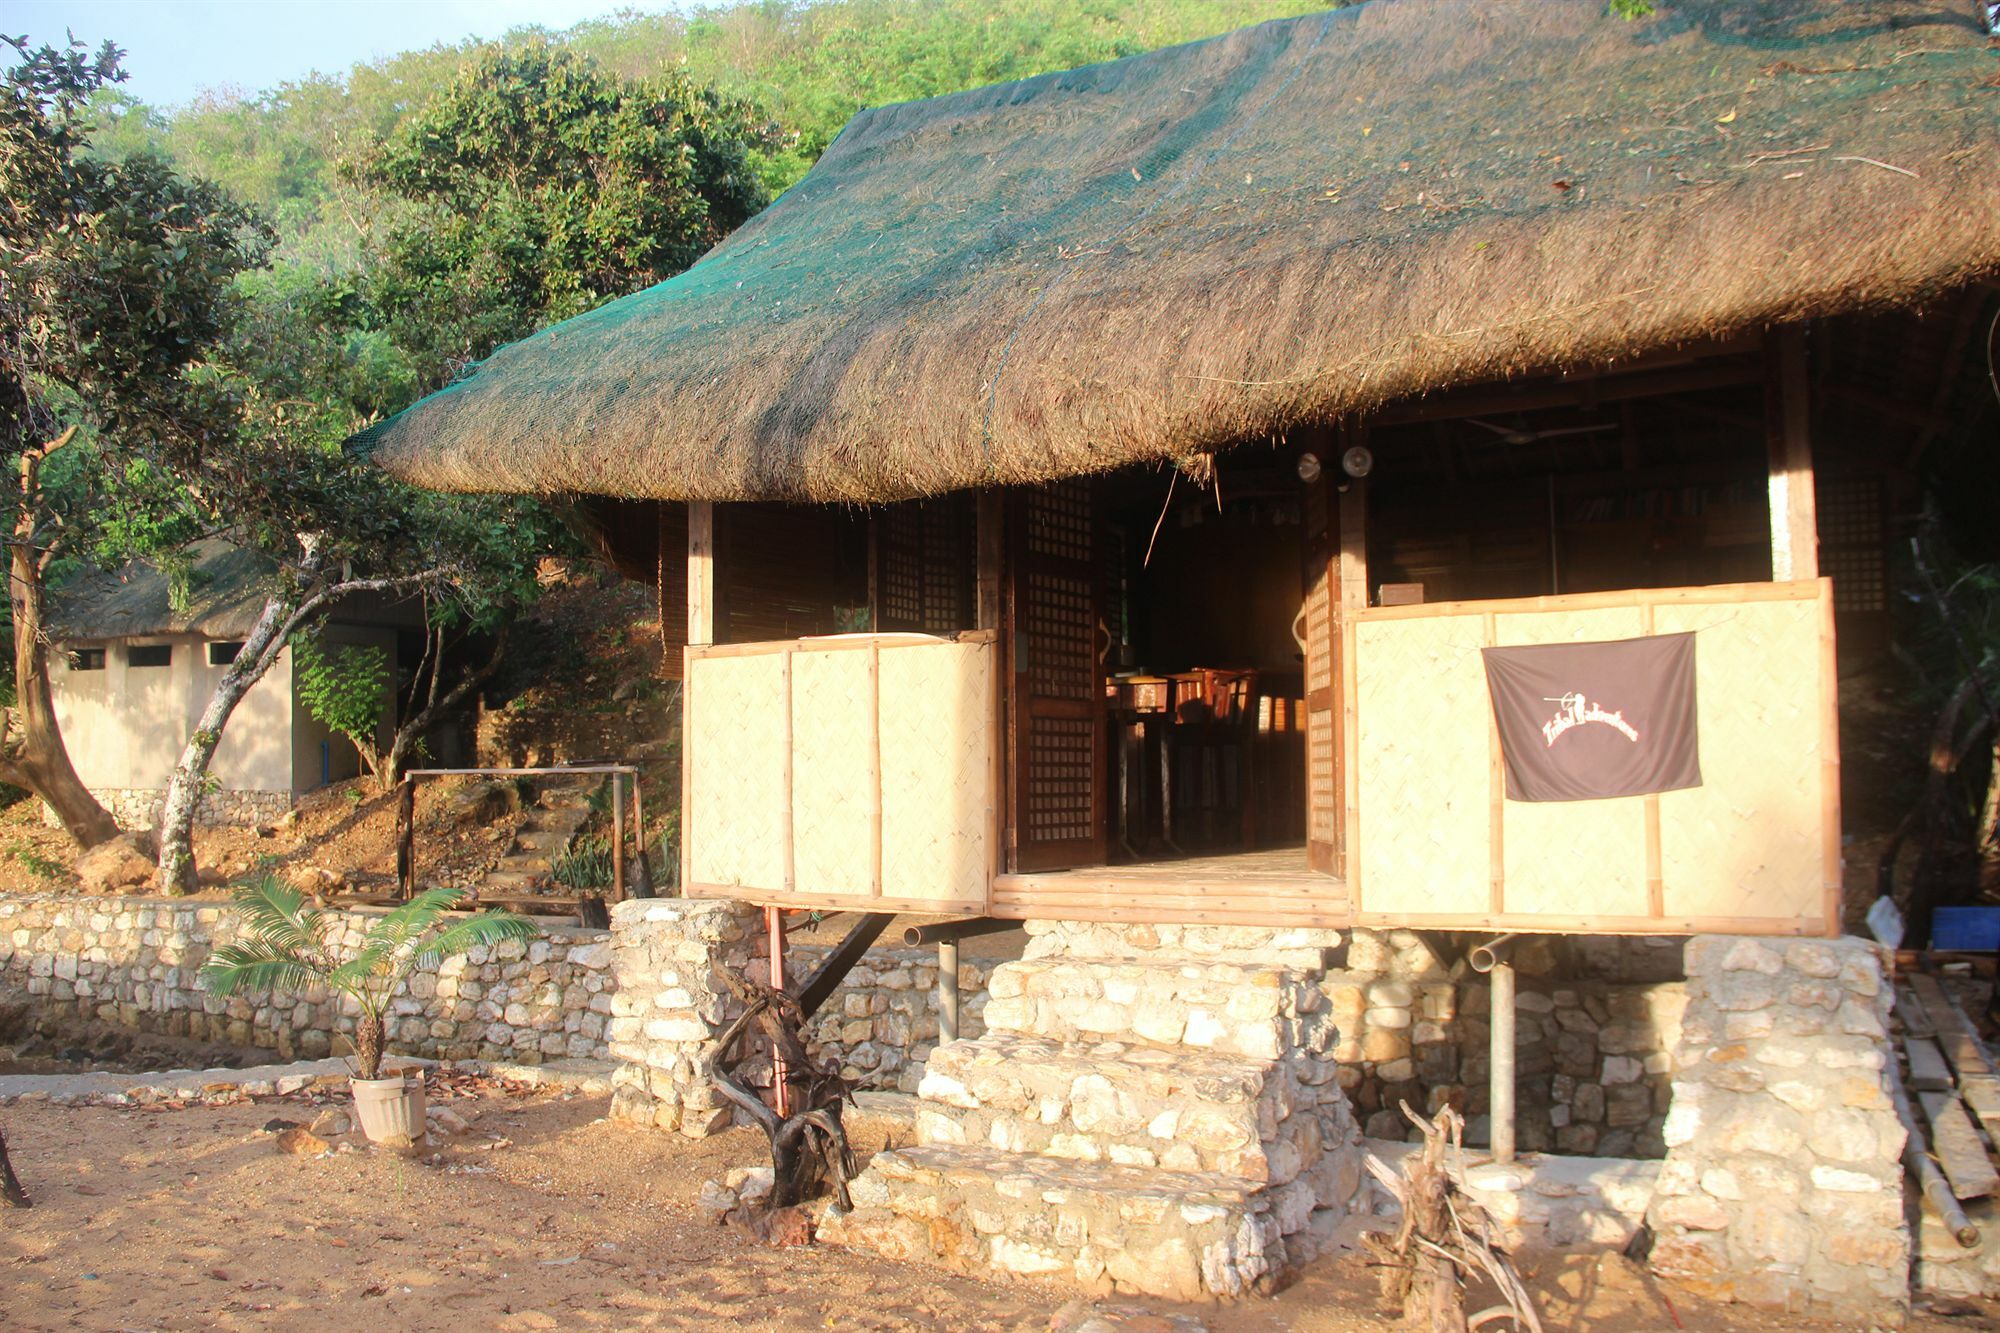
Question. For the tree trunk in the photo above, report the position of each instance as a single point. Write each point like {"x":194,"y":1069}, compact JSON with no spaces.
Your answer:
{"x":35,"y":757}
{"x":368,"y":1046}
{"x":11,"y":1192}
{"x":421,"y":721}
{"x":1989,"y":827}
{"x":184,"y":788}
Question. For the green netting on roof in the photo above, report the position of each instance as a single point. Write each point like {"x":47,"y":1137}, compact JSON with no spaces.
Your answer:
{"x":1280,"y":226}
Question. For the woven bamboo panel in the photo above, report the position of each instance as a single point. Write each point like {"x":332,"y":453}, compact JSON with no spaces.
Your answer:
{"x":937,"y":772}
{"x":890,"y":728}
{"x":735,"y":755}
{"x":1574,"y":859}
{"x":1424,"y":773}
{"x":1747,"y":842}
{"x":833,"y":773}
{"x":1749,"y":850}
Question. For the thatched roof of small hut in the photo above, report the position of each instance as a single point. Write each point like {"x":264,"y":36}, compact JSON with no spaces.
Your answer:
{"x":226,"y":588}
{"x":1284,"y":225}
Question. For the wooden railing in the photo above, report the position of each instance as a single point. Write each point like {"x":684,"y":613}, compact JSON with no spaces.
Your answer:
{"x":850,"y":772}
{"x":406,"y":816}
{"x":1754,"y":849}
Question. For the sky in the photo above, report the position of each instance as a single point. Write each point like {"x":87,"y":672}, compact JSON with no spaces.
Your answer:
{"x":178,"y":48}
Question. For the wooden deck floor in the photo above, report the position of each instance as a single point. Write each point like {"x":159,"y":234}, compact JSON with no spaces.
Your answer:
{"x":1273,"y":887}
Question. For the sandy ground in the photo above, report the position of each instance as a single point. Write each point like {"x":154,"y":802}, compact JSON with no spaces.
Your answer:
{"x":158,"y":1218}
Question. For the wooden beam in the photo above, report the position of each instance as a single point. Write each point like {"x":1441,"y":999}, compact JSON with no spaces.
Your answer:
{"x":701,"y":572}
{"x":992,"y":541}
{"x":1958,"y":1148}
{"x":1928,"y":1071}
{"x":1794,"y":513}
{"x":1610,"y":388}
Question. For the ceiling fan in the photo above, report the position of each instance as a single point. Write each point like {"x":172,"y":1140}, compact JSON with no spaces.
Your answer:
{"x":1517,"y":436}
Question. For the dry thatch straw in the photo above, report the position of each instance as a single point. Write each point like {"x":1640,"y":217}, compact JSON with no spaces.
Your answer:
{"x":1282,"y":226}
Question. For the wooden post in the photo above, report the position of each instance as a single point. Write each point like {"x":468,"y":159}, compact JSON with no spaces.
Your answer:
{"x":991,"y":539}
{"x":700,"y":630}
{"x":1788,"y":437}
{"x":617,"y":837}
{"x":701,"y":572}
{"x":406,"y":836}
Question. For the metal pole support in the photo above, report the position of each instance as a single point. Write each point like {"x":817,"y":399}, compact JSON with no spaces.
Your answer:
{"x":1491,"y":958}
{"x":947,"y":990}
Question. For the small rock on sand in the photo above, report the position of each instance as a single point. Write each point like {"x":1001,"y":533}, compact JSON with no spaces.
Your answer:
{"x":714,"y":1201}
{"x":302,"y":1142}
{"x":749,"y":1183}
{"x":446,"y":1121}
{"x":332,"y":1123}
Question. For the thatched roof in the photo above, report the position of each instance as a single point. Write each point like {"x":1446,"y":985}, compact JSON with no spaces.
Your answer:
{"x":1280,"y":226}
{"x":226,"y":593}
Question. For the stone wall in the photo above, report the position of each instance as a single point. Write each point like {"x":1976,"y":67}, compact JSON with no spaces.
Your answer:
{"x":1783,"y":1183}
{"x":670,"y":1005}
{"x":139,"y":807}
{"x":1594,"y":1049}
{"x":133,"y":961}
{"x":881,"y":1024}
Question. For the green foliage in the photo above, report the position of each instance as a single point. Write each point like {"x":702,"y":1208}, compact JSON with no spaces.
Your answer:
{"x":584,"y":864}
{"x":541,"y":186}
{"x":808,"y":64}
{"x":32,"y":861}
{"x":287,"y":947}
{"x":116,"y":288}
{"x":345,"y":690}
{"x":1632,"y":9}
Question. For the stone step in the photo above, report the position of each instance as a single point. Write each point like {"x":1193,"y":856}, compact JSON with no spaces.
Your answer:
{"x":514,"y":879}
{"x":1231,"y":1007}
{"x":1133,"y":1104}
{"x":542,"y":839}
{"x":1112,"y":1229}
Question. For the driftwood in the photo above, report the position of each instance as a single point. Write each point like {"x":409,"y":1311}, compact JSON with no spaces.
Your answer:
{"x":1445,"y":1242}
{"x":808,"y":1144}
{"x":11,"y":1192}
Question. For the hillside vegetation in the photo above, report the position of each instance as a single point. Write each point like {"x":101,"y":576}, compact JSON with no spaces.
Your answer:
{"x":807,"y":66}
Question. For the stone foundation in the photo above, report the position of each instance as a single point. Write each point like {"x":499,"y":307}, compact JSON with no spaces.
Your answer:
{"x":1783,"y":1184}
{"x":670,"y":1005}
{"x":1152,"y":1111}
{"x":139,"y":807}
{"x":133,"y":961}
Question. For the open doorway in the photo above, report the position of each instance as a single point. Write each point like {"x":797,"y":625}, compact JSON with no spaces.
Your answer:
{"x":1204,"y":667}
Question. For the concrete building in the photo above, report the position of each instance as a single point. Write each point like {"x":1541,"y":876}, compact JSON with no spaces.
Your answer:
{"x":132,"y":672}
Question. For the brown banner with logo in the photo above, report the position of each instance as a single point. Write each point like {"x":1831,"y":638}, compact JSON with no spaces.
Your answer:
{"x":1586,"y":721}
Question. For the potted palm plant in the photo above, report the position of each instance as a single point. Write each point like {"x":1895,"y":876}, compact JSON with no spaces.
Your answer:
{"x":286,"y":947}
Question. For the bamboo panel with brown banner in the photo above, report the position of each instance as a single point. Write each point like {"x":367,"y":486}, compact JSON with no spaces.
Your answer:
{"x":853,"y":772}
{"x":1753,"y":849}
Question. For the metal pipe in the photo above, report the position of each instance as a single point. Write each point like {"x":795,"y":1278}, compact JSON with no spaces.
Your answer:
{"x":947,"y":990}
{"x":955,"y":930}
{"x":1916,"y":1156}
{"x":1485,"y":957}
{"x":1500,"y":1054}
{"x":1492,"y":959}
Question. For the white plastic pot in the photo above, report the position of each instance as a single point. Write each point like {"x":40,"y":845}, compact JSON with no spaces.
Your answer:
{"x":389,"y":1107}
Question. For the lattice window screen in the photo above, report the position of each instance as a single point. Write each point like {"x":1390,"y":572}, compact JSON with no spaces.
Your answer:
{"x":924,"y":566}
{"x":1056,"y":619}
{"x":1850,"y":536}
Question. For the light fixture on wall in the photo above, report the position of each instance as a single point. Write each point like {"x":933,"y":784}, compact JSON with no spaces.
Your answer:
{"x":1308,"y":468}
{"x":1358,"y":462}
